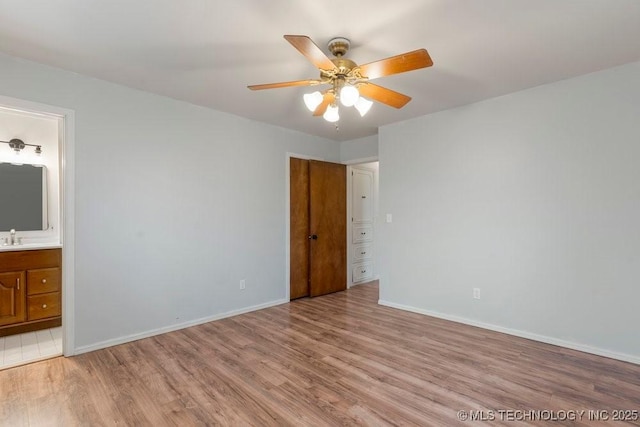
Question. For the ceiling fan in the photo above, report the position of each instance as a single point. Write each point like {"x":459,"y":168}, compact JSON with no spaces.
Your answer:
{"x":349,"y":82}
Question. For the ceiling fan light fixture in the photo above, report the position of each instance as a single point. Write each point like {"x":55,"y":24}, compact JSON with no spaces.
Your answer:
{"x":347,"y":79}
{"x":312,"y":100}
{"x":363,"y":106}
{"x":331,"y":115}
{"x":349,"y":95}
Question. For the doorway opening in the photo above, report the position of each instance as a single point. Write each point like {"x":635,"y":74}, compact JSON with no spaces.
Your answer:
{"x":37,"y":261}
{"x":318,"y":207}
{"x":362,"y":211}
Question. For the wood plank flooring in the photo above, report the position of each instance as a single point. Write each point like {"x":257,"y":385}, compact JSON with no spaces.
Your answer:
{"x":339,"y":359}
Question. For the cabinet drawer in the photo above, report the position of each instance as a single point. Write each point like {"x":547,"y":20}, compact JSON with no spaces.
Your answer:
{"x":362,"y":252}
{"x":362,"y":233}
{"x":362,"y":272}
{"x":43,"y":306}
{"x":43,"y":281}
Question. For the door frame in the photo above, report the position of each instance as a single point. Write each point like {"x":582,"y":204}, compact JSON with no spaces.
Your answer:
{"x":350,"y":165}
{"x":66,"y":142}
{"x":287,"y":201}
{"x":287,"y":210}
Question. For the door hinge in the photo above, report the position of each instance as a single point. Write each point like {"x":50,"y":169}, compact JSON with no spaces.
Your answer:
{"x":351,"y":173}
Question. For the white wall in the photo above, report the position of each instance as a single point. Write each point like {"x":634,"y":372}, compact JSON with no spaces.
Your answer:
{"x":174,"y":204}
{"x":359,"y":149}
{"x":43,"y":131}
{"x":534,"y":198}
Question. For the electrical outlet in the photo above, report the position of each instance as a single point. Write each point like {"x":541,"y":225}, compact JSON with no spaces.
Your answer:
{"x":389,"y":218}
{"x":476,"y":293}
{"x":243,"y":284}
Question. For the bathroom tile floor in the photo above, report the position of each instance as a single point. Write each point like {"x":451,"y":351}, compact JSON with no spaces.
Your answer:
{"x":16,"y":350}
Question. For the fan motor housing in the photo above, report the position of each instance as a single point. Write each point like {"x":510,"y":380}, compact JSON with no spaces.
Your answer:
{"x":344,"y":65}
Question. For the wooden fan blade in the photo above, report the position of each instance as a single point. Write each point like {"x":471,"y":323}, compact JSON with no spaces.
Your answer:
{"x":397,"y":64}
{"x":311,"y":51}
{"x":284,"y":84}
{"x":384,"y":95}
{"x":327,"y":100}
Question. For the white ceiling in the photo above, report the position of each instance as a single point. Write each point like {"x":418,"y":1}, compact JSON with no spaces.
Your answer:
{"x":207,"y":51}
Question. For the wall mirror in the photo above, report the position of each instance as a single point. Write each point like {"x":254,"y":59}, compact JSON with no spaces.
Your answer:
{"x":23,"y":197}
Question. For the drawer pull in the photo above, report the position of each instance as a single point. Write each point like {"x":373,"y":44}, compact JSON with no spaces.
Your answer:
{"x":44,"y":305}
{"x":44,"y":281}
{"x":362,"y":253}
{"x":363,"y":271}
{"x":362,"y":233}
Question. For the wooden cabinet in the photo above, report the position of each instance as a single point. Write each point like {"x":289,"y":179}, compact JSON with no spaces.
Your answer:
{"x":43,"y":280}
{"x":12,"y":297}
{"x":43,"y":293}
{"x":30,"y":290}
{"x":43,"y":306}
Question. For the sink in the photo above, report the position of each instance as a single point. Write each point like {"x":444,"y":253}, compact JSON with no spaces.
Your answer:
{"x":30,"y":246}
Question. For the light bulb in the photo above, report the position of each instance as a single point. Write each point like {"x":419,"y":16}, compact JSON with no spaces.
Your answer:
{"x":363,"y":105}
{"x":312,"y":100}
{"x":331,"y":115}
{"x":349,"y":95}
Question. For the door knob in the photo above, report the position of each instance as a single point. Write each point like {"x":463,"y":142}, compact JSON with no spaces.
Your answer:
{"x":313,"y":236}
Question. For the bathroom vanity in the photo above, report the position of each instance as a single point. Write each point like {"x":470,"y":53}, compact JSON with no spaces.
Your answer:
{"x":30,"y":289}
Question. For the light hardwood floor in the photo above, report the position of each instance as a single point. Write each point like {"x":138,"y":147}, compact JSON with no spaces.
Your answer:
{"x":335,"y":360}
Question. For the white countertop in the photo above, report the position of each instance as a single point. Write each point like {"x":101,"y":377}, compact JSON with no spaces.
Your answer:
{"x":29,"y":247}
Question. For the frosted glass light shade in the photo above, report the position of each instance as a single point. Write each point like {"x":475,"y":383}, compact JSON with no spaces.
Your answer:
{"x":349,"y":95}
{"x":312,"y":100}
{"x":331,"y":115}
{"x":363,"y":106}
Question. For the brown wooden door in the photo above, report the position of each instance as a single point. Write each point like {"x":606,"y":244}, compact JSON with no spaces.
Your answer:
{"x":12,"y":298}
{"x":299,"y":224}
{"x":328,"y":227}
{"x":318,"y":211}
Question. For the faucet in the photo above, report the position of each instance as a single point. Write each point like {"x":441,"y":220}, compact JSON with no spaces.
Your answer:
{"x":12,"y":240}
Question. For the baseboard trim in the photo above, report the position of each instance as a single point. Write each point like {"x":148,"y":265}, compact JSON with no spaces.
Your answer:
{"x":518,"y":333}
{"x":134,"y":337}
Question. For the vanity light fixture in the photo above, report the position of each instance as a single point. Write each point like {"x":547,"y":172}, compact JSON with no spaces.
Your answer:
{"x":18,"y":145}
